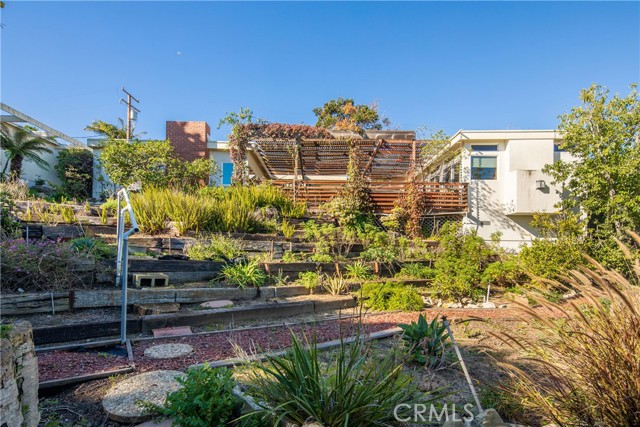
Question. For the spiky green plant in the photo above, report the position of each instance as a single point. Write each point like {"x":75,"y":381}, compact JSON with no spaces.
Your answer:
{"x":359,"y":270}
{"x":356,"y":390}
{"x":244,"y":274}
{"x":426,"y":341}
{"x":335,"y":285}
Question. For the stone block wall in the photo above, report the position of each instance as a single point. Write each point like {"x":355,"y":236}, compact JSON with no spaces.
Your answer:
{"x":18,"y":377}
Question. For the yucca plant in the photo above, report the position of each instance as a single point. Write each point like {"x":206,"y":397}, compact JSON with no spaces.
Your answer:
{"x":244,"y":274}
{"x":335,"y":285}
{"x":359,"y":270}
{"x":426,"y":341}
{"x":356,"y":390}
{"x":587,"y":368}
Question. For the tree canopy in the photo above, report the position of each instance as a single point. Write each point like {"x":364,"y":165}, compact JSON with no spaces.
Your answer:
{"x":111,"y":131}
{"x":20,"y":144}
{"x":344,"y":114}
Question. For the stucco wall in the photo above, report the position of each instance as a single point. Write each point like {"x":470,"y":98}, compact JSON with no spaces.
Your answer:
{"x":31,"y":171}
{"x":507,"y":204}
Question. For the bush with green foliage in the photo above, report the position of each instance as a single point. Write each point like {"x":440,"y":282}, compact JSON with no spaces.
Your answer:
{"x":415,"y":271}
{"x":153,"y":163}
{"x":215,"y":247}
{"x":244,"y":274}
{"x":289,"y":256}
{"x":74,"y":167}
{"x":379,"y":245}
{"x":355,"y":390}
{"x":330,"y":243}
{"x":426,"y":341}
{"x":459,"y":265}
{"x":308,"y":279}
{"x":9,"y":223}
{"x":204,"y":400}
{"x":97,"y":247}
{"x":390,"y":296}
{"x":505,"y":273}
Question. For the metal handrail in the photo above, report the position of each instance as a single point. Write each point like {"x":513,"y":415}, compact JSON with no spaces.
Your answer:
{"x":122,"y":260}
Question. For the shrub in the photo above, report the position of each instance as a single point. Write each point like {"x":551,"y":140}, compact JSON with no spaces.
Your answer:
{"x":40,"y":265}
{"x":378,"y":245}
{"x":244,"y":274}
{"x":330,"y":243}
{"x":549,"y":258}
{"x":308,"y":279}
{"x":391,"y":296}
{"x":505,"y":273}
{"x":356,"y":391}
{"x":205,"y":399}
{"x":426,"y":341}
{"x":294,"y":210}
{"x":587,"y":367}
{"x":97,"y":247}
{"x":289,"y":256}
{"x":359,"y":270}
{"x":9,"y":223}
{"x":215,"y":247}
{"x":287,"y":229}
{"x":74,"y":167}
{"x":150,"y":209}
{"x":415,"y":271}
{"x":459,"y":266}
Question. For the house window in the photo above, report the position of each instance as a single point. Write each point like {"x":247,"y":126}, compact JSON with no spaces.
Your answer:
{"x":484,"y":167}
{"x":493,"y":147}
{"x":227,"y":172}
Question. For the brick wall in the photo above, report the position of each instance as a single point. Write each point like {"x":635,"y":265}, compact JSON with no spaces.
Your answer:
{"x":189,"y":139}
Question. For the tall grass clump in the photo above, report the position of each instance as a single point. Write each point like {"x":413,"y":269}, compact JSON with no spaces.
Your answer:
{"x":587,"y":368}
{"x":215,"y":247}
{"x":151,"y":209}
{"x":354,"y":390}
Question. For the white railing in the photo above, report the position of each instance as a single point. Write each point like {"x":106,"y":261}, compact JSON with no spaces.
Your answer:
{"x":122,"y":260}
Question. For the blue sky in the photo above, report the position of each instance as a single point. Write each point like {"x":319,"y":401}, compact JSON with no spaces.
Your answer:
{"x":472,"y":65}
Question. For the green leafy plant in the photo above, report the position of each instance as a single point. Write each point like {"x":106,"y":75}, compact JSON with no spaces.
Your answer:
{"x":359,"y":270}
{"x":9,"y":223}
{"x":506,"y":273}
{"x":74,"y":167}
{"x":330,"y":243}
{"x":355,"y":391}
{"x":390,"y":296}
{"x":151,"y":209}
{"x":308,"y":279}
{"x":215,"y":247}
{"x":97,"y":247}
{"x":294,"y":210}
{"x":289,"y":256}
{"x":415,"y":271}
{"x":287,"y":229}
{"x":204,"y":400}
{"x":426,"y":341}
{"x":244,"y":274}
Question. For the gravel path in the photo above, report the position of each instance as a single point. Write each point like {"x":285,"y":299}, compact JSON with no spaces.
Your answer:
{"x":63,"y":364}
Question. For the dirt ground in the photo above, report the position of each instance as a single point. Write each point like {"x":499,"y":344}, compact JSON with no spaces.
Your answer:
{"x":481,"y":350}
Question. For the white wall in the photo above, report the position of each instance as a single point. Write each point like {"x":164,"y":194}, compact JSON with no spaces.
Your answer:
{"x":220,"y":157}
{"x":507,"y":204}
{"x":31,"y":171}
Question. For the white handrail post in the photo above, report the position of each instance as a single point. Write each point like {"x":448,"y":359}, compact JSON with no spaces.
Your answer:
{"x":122,"y":260}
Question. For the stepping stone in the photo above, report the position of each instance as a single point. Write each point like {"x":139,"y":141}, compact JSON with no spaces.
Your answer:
{"x":121,"y":401}
{"x":172,"y":332}
{"x":168,"y":351}
{"x":147,"y":309}
{"x":223,"y":303}
{"x":163,"y":423}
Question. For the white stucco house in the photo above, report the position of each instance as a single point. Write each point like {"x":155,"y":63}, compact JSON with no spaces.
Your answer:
{"x":503,"y":169}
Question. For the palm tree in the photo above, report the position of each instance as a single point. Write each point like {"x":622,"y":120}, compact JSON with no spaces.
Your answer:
{"x":19,"y":144}
{"x":112,"y":131}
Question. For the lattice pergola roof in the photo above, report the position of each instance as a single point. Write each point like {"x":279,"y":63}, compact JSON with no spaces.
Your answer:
{"x":379,"y":158}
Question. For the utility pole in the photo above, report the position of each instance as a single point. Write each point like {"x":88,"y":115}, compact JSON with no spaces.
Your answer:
{"x":132,"y":112}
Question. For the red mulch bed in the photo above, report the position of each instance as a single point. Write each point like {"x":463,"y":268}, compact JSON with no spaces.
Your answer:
{"x":65,"y":364}
{"x":218,"y":346}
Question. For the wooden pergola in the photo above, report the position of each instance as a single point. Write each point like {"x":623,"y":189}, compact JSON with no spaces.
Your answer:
{"x":315,"y":170}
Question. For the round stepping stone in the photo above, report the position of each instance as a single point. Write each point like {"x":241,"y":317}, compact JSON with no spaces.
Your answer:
{"x":121,"y":401}
{"x":168,"y":351}
{"x":223,"y":303}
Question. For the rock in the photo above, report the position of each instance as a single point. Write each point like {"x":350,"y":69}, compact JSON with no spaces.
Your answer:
{"x":453,"y":423}
{"x":431,"y":382}
{"x":465,"y":301}
{"x":471,"y":306}
{"x":312,"y":424}
{"x":439,"y":304}
{"x":161,"y":423}
{"x":455,"y":305}
{"x":570,"y":295}
{"x":223,"y":303}
{"x":148,"y":309}
{"x":121,"y":401}
{"x":168,"y":351}
{"x":44,"y":189}
{"x":488,"y":305}
{"x":502,"y":306}
{"x":489,"y":418}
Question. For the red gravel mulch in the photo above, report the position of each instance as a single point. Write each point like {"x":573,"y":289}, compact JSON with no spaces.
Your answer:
{"x":218,"y":346}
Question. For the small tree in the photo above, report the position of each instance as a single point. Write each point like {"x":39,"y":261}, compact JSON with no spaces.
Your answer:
{"x":19,"y":145}
{"x":75,"y":169}
{"x":603,"y":182}
{"x":344,"y":114}
{"x":111,"y":131}
{"x":238,"y":140}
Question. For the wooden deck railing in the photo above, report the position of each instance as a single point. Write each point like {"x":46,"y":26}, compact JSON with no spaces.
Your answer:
{"x":441,"y":197}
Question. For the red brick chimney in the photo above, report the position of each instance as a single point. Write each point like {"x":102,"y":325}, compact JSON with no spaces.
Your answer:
{"x":189,"y":139}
